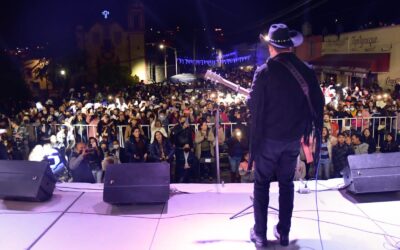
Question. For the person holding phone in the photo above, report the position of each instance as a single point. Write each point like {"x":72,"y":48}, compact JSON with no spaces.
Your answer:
{"x":80,"y":164}
{"x":237,"y":146}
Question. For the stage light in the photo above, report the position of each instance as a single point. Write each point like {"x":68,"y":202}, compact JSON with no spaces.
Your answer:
{"x":385,"y":96}
{"x":162,"y":46}
{"x":63,"y":72}
{"x":266,"y":38}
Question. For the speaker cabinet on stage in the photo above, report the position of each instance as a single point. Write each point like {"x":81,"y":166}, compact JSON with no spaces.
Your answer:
{"x":373,"y":173}
{"x":137,"y":183}
{"x":26,"y":180}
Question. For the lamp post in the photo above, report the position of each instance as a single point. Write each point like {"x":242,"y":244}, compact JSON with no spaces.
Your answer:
{"x":176,"y":61}
{"x":162,"y":46}
{"x":165,"y":61}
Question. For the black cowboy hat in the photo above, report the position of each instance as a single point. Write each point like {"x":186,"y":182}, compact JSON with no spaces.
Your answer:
{"x":280,"y":36}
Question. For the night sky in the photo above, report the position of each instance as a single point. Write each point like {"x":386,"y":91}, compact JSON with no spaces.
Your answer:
{"x":25,"y":23}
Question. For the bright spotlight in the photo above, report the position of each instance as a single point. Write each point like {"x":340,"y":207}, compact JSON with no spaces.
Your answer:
{"x":162,"y":46}
{"x":63,"y":72}
{"x":266,"y":38}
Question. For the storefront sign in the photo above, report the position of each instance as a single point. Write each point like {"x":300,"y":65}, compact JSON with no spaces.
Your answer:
{"x":362,"y":42}
{"x":356,"y":43}
{"x":335,"y":45}
{"x":392,"y":81}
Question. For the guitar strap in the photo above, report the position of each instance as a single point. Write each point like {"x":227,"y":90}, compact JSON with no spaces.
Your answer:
{"x":304,"y":86}
{"x":300,"y":79}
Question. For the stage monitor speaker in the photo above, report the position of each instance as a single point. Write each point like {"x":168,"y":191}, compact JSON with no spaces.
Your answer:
{"x":26,"y":180}
{"x":373,"y":173}
{"x":137,"y":183}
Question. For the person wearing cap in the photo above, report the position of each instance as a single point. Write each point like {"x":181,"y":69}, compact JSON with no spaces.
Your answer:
{"x":280,"y":117}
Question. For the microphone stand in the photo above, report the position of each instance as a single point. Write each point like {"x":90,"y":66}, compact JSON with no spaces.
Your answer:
{"x":247,"y":208}
{"x":217,"y":146}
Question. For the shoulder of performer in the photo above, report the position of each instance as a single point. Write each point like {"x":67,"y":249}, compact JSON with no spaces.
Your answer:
{"x":308,"y":65}
{"x":260,"y":70}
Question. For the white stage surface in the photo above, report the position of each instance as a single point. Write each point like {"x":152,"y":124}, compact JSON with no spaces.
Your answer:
{"x":77,"y":218}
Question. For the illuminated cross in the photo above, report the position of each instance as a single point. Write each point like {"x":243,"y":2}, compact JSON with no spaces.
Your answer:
{"x":105,"y":13}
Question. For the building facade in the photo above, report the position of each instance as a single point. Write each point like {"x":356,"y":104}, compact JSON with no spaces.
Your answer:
{"x":110,"y":42}
{"x":360,"y":57}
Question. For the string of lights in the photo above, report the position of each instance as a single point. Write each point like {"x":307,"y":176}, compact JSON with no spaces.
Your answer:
{"x":214,"y":62}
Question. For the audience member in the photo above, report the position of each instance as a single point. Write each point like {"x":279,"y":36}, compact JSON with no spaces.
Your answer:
{"x":161,"y":149}
{"x":204,"y":149}
{"x":137,"y":146}
{"x":367,"y":138}
{"x":79,"y":164}
{"x":326,"y":155}
{"x":246,"y":174}
{"x":186,"y":165}
{"x":389,"y":145}
{"x":340,"y":152}
{"x":237,"y":146}
{"x":359,"y":147}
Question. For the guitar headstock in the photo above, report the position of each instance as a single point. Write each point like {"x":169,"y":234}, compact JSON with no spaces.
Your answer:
{"x":212,"y":76}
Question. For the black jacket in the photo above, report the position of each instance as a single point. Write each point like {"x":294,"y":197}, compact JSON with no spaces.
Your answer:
{"x":137,"y":150}
{"x":181,"y":136}
{"x":180,"y":159}
{"x":80,"y":169}
{"x":339,"y":156}
{"x":371,"y":144}
{"x":155,"y":151}
{"x":3,"y":152}
{"x":389,"y":147}
{"x":232,"y":143}
{"x":278,"y":106}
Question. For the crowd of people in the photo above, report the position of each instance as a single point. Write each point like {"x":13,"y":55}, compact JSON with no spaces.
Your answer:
{"x":93,"y":127}
{"x":356,"y":121}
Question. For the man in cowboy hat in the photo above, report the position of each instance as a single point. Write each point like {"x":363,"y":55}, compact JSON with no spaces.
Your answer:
{"x":280,"y":117}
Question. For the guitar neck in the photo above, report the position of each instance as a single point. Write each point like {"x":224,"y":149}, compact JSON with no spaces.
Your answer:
{"x":235,"y":87}
{"x":218,"y":79}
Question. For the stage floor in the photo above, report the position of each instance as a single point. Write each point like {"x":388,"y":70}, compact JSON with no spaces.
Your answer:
{"x":77,"y":218}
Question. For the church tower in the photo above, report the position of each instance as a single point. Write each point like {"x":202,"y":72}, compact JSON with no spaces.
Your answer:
{"x":136,"y":30}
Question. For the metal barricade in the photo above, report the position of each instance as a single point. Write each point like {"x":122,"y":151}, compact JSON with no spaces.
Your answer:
{"x":378,"y":126}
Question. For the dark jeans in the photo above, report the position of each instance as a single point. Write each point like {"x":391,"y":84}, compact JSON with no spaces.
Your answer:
{"x":276,"y":158}
{"x":206,"y":169}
